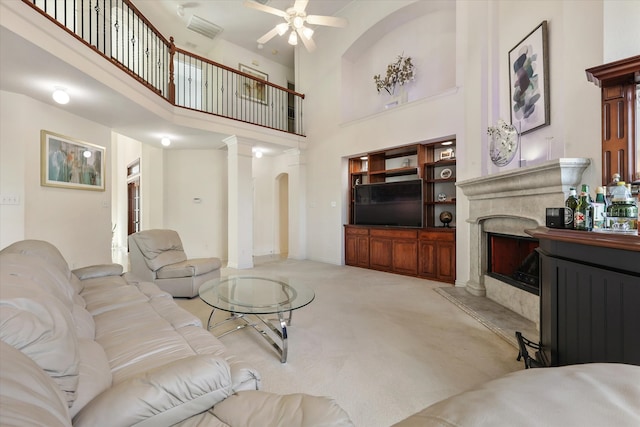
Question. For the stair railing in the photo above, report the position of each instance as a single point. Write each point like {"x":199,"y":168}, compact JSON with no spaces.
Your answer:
{"x":118,"y":31}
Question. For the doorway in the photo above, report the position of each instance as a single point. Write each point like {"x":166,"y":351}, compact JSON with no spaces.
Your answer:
{"x":133,"y":197}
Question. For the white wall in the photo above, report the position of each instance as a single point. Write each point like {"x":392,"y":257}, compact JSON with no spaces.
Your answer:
{"x":190,"y":175}
{"x":621,"y":29}
{"x":78,"y":222}
{"x":264,"y":204}
{"x":14,"y":110}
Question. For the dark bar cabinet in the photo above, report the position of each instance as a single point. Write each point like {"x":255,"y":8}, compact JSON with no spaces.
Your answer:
{"x":589,"y":296}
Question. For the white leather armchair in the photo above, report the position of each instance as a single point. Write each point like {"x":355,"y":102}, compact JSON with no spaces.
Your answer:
{"x":158,"y":256}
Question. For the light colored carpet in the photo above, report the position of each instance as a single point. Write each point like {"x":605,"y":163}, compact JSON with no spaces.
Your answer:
{"x":383,"y":345}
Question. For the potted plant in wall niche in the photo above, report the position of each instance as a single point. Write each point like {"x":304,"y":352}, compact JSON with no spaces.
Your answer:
{"x":398,"y":73}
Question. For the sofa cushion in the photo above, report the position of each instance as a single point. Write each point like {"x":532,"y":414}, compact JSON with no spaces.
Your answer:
{"x":95,"y":375}
{"x":43,"y":250}
{"x":83,"y":320}
{"x":595,"y":394}
{"x":160,"y":247}
{"x":258,"y":408}
{"x":101,"y":270}
{"x":109,"y":293}
{"x":38,"y":272}
{"x":42,"y":328}
{"x":162,"y":396}
{"x":189,"y":268}
{"x":28,"y":396}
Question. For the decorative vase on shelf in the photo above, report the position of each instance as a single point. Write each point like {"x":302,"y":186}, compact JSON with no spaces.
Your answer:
{"x":397,"y":98}
{"x":504,"y":143}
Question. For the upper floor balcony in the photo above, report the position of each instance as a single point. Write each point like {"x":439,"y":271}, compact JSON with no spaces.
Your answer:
{"x":119,"y":32}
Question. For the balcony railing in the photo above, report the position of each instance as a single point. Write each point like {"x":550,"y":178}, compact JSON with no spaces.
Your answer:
{"x":118,"y":31}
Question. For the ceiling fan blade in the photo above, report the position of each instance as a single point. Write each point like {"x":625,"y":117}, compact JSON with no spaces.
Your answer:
{"x":271,"y":34}
{"x":300,"y":5}
{"x":329,"y":21}
{"x":308,"y":43}
{"x":264,"y":8}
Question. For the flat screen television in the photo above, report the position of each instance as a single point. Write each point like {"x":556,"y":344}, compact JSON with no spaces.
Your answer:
{"x":394,"y":204}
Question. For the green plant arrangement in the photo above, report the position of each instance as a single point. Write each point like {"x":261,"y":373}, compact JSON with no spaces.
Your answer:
{"x":398,"y":73}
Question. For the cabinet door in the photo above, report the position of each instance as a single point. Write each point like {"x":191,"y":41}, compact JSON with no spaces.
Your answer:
{"x":351,"y":250}
{"x":427,"y":266}
{"x":595,"y":311}
{"x":362,"y":249}
{"x":446,"y":261}
{"x":405,"y":256}
{"x":380,"y":253}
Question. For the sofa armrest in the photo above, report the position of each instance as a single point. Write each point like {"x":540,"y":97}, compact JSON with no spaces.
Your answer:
{"x":253,"y":408}
{"x":165,"y":395}
{"x":102,"y":270}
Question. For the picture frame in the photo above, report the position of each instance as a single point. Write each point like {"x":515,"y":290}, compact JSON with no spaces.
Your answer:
{"x":70,"y":163}
{"x":447,"y":154}
{"x":529,"y":81}
{"x":250,"y":89}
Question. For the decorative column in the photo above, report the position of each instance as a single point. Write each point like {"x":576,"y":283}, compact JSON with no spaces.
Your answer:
{"x":240,"y":203}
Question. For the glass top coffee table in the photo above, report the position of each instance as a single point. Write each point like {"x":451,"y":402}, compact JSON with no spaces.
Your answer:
{"x":245,"y":296}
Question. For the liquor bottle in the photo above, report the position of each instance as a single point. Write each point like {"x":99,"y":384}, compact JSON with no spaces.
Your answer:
{"x":570,"y":208}
{"x":583,"y":217}
{"x":599,"y":208}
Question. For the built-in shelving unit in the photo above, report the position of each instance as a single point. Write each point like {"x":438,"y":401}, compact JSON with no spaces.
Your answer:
{"x":427,"y":252}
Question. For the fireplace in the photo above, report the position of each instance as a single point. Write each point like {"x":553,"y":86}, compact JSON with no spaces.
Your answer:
{"x":507,"y":204}
{"x":514,"y":260}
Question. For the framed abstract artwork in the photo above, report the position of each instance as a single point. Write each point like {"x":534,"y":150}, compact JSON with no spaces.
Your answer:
{"x":251,"y":89}
{"x":69,"y":163}
{"x":529,"y":81}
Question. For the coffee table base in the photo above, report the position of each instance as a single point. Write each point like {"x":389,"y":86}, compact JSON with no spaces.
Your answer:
{"x":271,"y":332}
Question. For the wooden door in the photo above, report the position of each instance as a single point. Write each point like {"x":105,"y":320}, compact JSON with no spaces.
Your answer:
{"x":133,"y":209}
{"x":618,"y":152}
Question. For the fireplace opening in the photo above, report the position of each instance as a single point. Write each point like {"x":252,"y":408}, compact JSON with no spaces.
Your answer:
{"x":514,"y":260}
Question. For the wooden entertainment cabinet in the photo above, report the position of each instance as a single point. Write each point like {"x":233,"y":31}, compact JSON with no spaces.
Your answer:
{"x":428,"y":252}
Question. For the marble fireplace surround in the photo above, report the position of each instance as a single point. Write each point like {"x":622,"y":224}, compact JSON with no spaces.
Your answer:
{"x":509,"y":203}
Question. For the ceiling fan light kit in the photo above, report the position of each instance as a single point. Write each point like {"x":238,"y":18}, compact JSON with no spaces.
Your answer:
{"x":295,"y":19}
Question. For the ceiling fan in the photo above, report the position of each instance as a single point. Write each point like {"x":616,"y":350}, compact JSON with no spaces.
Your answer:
{"x":295,"y":19}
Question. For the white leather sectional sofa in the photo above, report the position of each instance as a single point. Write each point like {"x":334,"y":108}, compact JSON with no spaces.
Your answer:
{"x":94,"y":347}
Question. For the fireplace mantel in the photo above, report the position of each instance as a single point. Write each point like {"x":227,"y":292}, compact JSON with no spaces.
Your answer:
{"x":509,"y":203}
{"x":554,"y":175}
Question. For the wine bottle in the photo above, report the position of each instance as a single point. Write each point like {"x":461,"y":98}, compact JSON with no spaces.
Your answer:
{"x":570,"y":208}
{"x":599,"y":208}
{"x":583,"y":217}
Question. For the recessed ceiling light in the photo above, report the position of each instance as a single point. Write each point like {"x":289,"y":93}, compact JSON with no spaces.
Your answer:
{"x":258,"y":154}
{"x":447,"y":143}
{"x":60,"y":96}
{"x":165,"y":141}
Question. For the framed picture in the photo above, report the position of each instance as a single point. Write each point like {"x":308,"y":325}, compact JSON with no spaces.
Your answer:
{"x":69,"y":163}
{"x":529,"y":81}
{"x":447,"y":154}
{"x":252,"y":89}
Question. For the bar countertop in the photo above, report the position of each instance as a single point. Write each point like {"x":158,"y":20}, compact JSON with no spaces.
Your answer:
{"x":629,"y":242}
